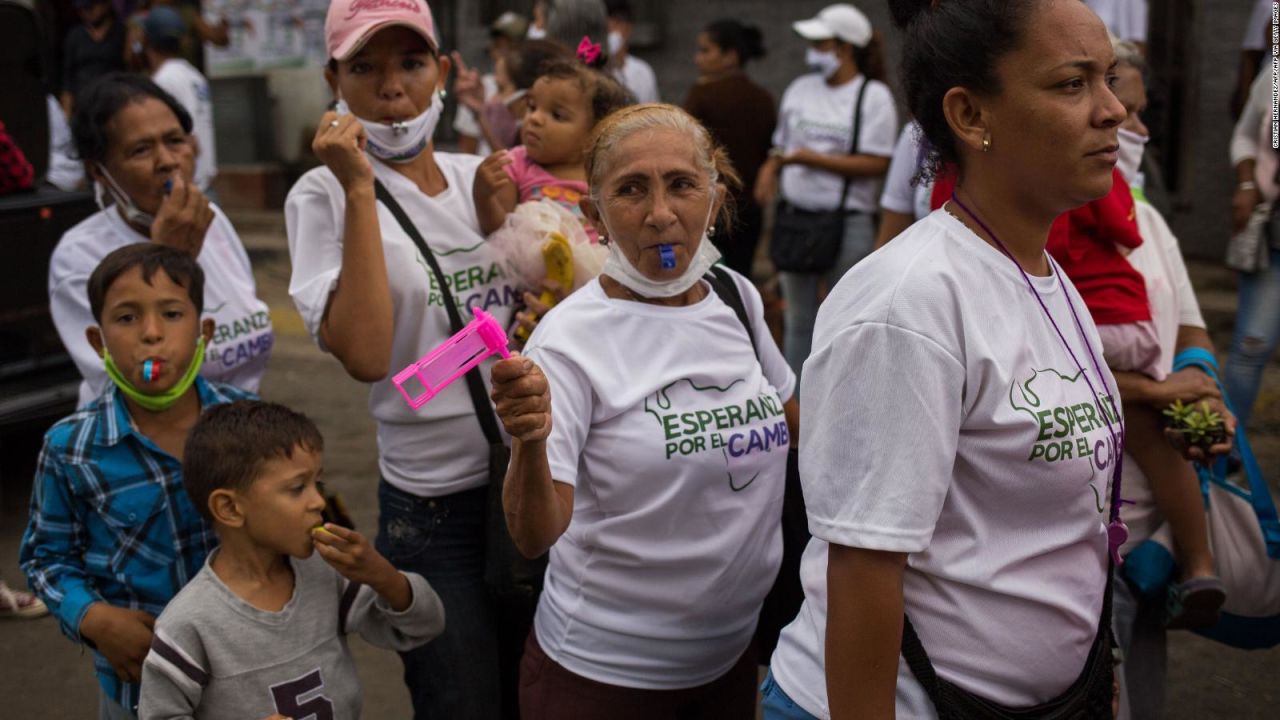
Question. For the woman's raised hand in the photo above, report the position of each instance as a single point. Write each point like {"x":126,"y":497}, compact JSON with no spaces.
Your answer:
{"x":183,"y":218}
{"x":522,"y":398}
{"x":339,"y":144}
{"x":468,"y":86}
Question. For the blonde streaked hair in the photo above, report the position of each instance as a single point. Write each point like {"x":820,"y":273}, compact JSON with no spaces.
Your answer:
{"x":624,"y":123}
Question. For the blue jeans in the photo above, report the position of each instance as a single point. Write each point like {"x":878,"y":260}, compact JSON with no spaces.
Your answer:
{"x":777,"y":705}
{"x":457,"y":674}
{"x":1257,"y":334}
{"x":800,"y":290}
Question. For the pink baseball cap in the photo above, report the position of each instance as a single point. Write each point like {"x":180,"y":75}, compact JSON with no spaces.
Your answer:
{"x":350,"y":23}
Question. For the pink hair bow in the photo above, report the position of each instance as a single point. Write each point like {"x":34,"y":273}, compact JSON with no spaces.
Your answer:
{"x":588,"y":51}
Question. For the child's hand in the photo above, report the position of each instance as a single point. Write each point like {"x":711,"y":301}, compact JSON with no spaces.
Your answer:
{"x":123,"y":636}
{"x":534,"y":308}
{"x":351,"y":554}
{"x":522,"y":398}
{"x":491,"y":175}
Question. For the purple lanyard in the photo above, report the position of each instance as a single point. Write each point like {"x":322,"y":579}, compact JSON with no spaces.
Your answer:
{"x":1117,"y":532}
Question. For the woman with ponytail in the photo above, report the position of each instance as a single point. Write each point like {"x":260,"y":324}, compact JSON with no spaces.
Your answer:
{"x":962,"y":541}
{"x":836,"y":132}
{"x":741,"y":116}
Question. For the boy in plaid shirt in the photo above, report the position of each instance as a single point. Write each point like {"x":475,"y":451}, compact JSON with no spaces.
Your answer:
{"x":112,"y":535}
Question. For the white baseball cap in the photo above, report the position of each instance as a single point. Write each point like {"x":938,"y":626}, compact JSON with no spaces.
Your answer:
{"x":842,"y":21}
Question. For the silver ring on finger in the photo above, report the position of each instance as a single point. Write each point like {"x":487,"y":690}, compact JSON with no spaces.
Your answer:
{"x":333,"y":123}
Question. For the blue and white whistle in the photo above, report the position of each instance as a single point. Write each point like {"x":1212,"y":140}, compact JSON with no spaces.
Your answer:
{"x":668,"y":257}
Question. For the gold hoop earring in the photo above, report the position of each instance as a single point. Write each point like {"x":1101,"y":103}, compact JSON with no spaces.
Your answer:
{"x":986,"y":143}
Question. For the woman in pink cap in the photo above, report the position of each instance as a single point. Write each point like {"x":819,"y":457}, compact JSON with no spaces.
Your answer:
{"x":388,"y":259}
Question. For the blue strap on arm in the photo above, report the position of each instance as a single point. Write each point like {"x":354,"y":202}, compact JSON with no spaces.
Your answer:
{"x":1191,"y":355}
{"x":1259,"y":497}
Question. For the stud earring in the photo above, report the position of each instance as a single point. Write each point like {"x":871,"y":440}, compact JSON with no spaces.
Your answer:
{"x":711,"y":231}
{"x":986,"y":143}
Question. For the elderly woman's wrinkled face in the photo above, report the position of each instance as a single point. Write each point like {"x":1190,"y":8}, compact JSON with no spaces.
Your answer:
{"x":1131,"y":90}
{"x":146,"y":145}
{"x":655,"y":192}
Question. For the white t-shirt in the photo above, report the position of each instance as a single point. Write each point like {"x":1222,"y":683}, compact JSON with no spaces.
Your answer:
{"x":637,"y":76}
{"x":438,"y":449}
{"x":465,"y":122}
{"x":1126,"y":19}
{"x":242,"y":340}
{"x":65,"y":172}
{"x":180,"y":79}
{"x":674,"y":438}
{"x":899,"y":194}
{"x":819,"y":117}
{"x":943,"y":418}
{"x":1173,"y":304}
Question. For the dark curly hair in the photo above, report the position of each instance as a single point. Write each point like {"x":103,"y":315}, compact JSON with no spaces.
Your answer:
{"x":606,"y":93}
{"x":953,"y":43}
{"x":106,"y":96}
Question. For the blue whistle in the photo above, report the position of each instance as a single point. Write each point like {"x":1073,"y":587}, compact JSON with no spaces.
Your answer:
{"x":168,"y":186}
{"x":668,"y":255}
{"x":150,"y":370}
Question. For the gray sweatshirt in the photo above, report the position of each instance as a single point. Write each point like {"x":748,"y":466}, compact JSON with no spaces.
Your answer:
{"x":216,"y":656}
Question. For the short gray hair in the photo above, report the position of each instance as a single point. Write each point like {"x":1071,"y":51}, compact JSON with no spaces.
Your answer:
{"x":622,"y":124}
{"x":568,"y":21}
{"x":1127,"y":53}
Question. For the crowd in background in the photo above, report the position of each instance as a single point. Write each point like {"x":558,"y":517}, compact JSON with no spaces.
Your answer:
{"x":563,"y":516}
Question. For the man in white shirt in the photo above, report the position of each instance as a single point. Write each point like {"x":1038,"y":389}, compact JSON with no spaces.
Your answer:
{"x":631,"y":71}
{"x":163,"y":30}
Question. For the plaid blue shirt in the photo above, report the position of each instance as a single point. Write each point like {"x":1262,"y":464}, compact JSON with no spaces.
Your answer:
{"x":110,"y":521}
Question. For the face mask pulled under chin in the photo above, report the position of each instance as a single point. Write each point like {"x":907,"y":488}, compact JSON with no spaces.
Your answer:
{"x":1132,"y":146}
{"x":618,"y":267}
{"x":402,"y":141}
{"x":107,"y":185}
{"x":615,"y":42}
{"x":826,"y":62}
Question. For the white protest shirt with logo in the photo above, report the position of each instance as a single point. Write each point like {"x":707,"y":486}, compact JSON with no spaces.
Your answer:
{"x":438,"y":449}
{"x":674,"y":438}
{"x":184,"y":82}
{"x":944,"y":418}
{"x":819,"y":117}
{"x":242,"y":337}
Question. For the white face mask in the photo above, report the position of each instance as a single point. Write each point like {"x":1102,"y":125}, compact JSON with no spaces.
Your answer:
{"x":132,"y":213}
{"x":1132,"y":146}
{"x":615,"y":42}
{"x":824,"y":62}
{"x":403,"y":141}
{"x":619,"y":267}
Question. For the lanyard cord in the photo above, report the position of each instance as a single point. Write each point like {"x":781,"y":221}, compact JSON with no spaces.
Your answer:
{"x":1116,"y":532}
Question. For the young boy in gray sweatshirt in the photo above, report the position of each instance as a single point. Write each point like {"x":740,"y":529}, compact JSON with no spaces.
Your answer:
{"x":261,"y":630}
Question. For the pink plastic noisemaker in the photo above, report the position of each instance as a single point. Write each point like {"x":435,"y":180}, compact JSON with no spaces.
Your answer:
{"x":481,"y":338}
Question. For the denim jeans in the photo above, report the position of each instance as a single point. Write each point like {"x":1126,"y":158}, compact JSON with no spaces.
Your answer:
{"x":800,"y":290}
{"x":455,"y":676}
{"x":109,"y":709}
{"x":777,"y":705}
{"x":1257,"y":334}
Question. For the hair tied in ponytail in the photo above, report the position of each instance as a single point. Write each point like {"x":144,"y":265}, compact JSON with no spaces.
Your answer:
{"x":589,"y":52}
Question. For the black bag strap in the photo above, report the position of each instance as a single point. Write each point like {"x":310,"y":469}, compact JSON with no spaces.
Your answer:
{"x":727,"y":290}
{"x":475,"y":383}
{"x":954,"y":703}
{"x":853,"y":146}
